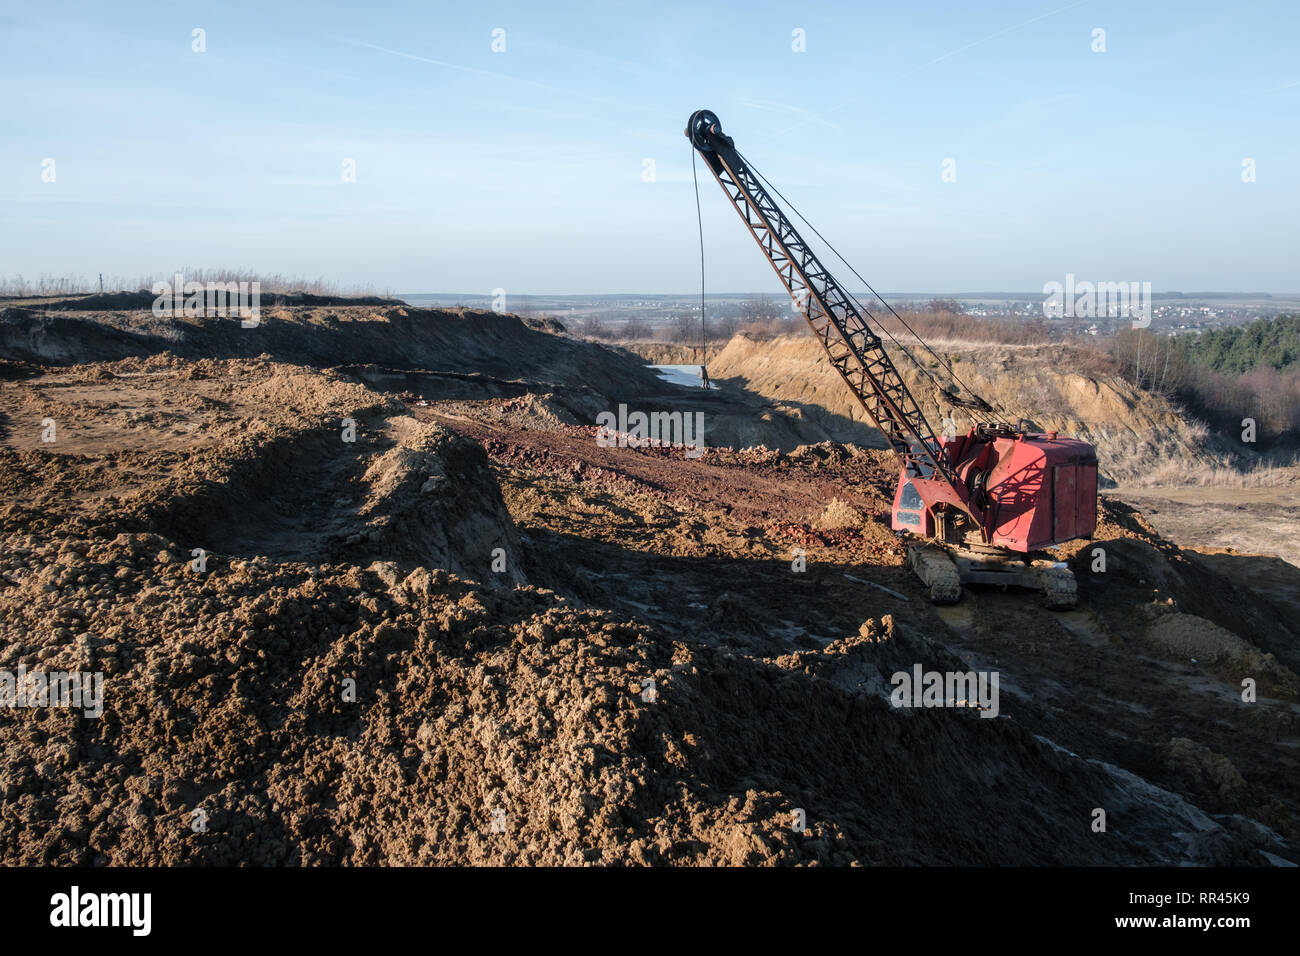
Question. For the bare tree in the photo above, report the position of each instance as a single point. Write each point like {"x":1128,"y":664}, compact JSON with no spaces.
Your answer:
{"x":591,"y":327}
{"x":684,"y":327}
{"x":636,"y":329}
{"x":725,"y":326}
{"x":1157,"y":363}
{"x":951,"y":306}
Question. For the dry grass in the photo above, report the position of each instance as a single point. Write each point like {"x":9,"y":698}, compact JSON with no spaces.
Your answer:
{"x":940,"y":325}
{"x":67,"y":285}
{"x":1179,"y":474}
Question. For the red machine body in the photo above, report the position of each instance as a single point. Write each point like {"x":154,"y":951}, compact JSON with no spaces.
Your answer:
{"x":1030,"y":490}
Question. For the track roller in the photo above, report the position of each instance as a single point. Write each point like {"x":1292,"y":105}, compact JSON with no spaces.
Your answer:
{"x":937,"y":571}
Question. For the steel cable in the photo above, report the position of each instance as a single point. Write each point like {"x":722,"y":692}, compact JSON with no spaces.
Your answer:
{"x":976,"y":413}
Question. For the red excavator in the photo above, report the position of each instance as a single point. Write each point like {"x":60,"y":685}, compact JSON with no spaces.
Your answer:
{"x":985,"y":504}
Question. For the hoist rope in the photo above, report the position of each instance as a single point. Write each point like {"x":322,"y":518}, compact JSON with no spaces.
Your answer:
{"x":699,"y":218}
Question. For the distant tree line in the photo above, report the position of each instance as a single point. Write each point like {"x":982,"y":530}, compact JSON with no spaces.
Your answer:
{"x":1271,"y":342}
{"x":1250,"y":371}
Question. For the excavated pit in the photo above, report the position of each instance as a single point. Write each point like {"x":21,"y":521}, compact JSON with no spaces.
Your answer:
{"x":475,"y":634}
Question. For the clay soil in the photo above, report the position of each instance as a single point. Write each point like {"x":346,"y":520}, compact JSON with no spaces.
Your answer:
{"x":473,"y":635}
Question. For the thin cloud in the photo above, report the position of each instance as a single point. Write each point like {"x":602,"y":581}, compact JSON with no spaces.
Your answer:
{"x":470,"y":69}
{"x":938,"y":59}
{"x":805,"y":116}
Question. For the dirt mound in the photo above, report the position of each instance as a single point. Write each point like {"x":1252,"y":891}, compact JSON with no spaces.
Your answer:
{"x":330,"y":718}
{"x":458,"y":343}
{"x":428,"y":499}
{"x":1213,"y":771}
{"x":1188,"y":637}
{"x":262,"y":461}
{"x":432,"y":501}
{"x":837,"y":515}
{"x":40,"y":338}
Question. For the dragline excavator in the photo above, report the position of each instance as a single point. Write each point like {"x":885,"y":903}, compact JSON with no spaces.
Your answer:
{"x":984,"y":505}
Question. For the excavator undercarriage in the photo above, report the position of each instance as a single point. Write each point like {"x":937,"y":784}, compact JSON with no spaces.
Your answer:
{"x":945,"y":569}
{"x":957,"y":555}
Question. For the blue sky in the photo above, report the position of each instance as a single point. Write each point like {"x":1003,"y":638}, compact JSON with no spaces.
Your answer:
{"x":523,"y":169}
